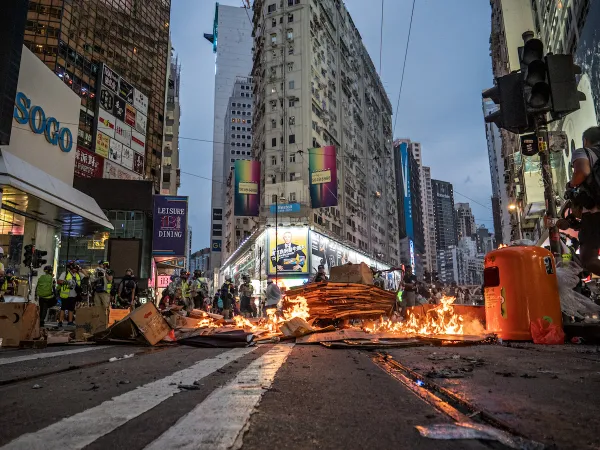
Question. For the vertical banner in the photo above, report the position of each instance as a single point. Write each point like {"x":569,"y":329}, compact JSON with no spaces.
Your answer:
{"x":405,"y":164}
{"x":323,"y":176}
{"x":247,"y":188}
{"x":170,"y":225}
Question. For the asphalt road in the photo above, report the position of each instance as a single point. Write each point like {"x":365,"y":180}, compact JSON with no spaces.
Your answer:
{"x":280,"y":396}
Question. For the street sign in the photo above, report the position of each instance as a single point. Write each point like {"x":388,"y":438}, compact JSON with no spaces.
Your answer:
{"x":285,"y":208}
{"x":529,"y":144}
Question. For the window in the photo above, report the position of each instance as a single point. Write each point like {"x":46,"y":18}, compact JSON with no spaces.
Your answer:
{"x":290,"y":67}
{"x":238,"y":136}
{"x":293,"y":158}
{"x":233,"y":104}
{"x":233,"y":128}
{"x":273,"y":39}
{"x":292,"y":103}
{"x":292,"y":120}
{"x":233,"y":160}
{"x":290,"y":18}
{"x":273,"y":105}
{"x":290,"y":2}
{"x":273,"y":179}
{"x":274,"y":142}
{"x":292,"y":139}
{"x":273,"y":160}
{"x":274,"y":23}
{"x":290,"y":50}
{"x":291,"y":84}
{"x":290,"y":35}
{"x":272,"y":8}
{"x":249,"y":121}
{"x":273,"y":123}
{"x":237,"y":153}
{"x":292,"y":196}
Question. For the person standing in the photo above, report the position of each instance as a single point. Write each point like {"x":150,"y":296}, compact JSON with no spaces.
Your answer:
{"x":45,"y":290}
{"x":127,"y":289}
{"x":196,"y":291}
{"x":320,"y":276}
{"x":104,"y":288}
{"x":70,"y":283}
{"x":186,"y":290}
{"x":409,"y":295}
{"x":273,"y":296}
{"x":246,"y":292}
{"x":227,"y":296}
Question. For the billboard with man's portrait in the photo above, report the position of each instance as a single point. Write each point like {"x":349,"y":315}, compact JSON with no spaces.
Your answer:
{"x":288,"y":253}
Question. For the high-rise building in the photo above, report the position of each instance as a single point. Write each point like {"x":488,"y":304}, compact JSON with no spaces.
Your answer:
{"x":200,"y":260}
{"x":465,"y":221}
{"x":170,"y":162}
{"x":73,"y":38}
{"x":231,"y":39}
{"x":409,"y":182}
{"x":315,"y":85}
{"x":428,"y":221}
{"x":485,"y":240}
{"x":445,"y":227}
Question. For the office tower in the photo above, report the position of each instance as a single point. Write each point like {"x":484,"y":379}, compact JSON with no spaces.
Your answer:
{"x":170,"y":162}
{"x":445,"y":227}
{"x":465,"y":221}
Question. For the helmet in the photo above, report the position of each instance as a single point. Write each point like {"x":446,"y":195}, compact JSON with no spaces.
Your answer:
{"x":48,"y":269}
{"x":9,"y":272}
{"x":228,"y":278}
{"x":184,"y":274}
{"x":321,"y":267}
{"x":173,"y":277}
{"x":71,"y":265}
{"x":197,"y":273}
{"x":110,"y":272}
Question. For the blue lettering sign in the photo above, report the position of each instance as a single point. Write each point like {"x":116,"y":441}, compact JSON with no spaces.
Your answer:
{"x":40,"y":124}
{"x":285,"y":208}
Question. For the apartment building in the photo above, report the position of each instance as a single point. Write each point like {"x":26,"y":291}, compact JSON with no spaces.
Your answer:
{"x":171,"y":178}
{"x":231,"y":39}
{"x":315,"y":85}
{"x":428,"y":221}
{"x":445,"y":228}
{"x":465,"y":221}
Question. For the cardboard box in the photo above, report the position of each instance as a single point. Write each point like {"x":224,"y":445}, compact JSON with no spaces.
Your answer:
{"x":150,"y":322}
{"x":116,"y":314}
{"x":351,"y":273}
{"x":18,"y":322}
{"x":90,"y":320}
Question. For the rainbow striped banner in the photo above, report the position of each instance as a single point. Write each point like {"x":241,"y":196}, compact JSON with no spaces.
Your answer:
{"x":322,"y":170}
{"x":247,"y":188}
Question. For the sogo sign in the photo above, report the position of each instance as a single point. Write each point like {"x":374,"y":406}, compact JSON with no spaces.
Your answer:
{"x":40,"y":124}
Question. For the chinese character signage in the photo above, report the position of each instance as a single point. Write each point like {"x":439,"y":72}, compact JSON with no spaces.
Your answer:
{"x":170,"y":225}
{"x":88,"y":164}
{"x":322,"y":171}
{"x":120,"y":132}
{"x":247,"y":188}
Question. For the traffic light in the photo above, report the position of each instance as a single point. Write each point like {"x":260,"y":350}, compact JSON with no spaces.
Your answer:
{"x":28,"y":255}
{"x":509,"y":95}
{"x":537,"y":87}
{"x":37,"y":258}
{"x":563,"y":85}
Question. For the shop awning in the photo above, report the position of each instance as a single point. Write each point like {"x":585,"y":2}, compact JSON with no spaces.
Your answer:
{"x":48,"y":199}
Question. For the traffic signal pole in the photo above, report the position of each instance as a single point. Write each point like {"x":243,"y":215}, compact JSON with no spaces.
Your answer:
{"x":546,"y":169}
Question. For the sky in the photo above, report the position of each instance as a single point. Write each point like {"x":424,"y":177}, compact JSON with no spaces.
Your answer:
{"x":447,"y":67}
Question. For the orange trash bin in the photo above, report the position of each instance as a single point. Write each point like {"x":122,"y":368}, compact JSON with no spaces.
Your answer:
{"x":520,"y":286}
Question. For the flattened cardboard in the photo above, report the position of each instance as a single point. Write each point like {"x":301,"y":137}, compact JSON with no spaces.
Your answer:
{"x":18,"y":322}
{"x":150,"y":322}
{"x":90,"y":320}
{"x":351,"y":273}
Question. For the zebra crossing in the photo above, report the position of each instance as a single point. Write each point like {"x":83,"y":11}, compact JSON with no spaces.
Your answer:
{"x":232,"y":404}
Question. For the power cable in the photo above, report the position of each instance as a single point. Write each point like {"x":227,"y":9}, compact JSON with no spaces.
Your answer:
{"x":474,"y":201}
{"x":404,"y":66}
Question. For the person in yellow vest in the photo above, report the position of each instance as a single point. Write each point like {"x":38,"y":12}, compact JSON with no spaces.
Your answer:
{"x":70,"y":284}
{"x":186,"y":290}
{"x":104,"y":288}
{"x":45,"y":293}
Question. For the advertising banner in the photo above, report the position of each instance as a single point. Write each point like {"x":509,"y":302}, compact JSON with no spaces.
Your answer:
{"x":247,"y":188}
{"x":122,"y":120}
{"x":88,"y":164}
{"x":170,"y":225}
{"x":288,"y":253}
{"x":405,"y":165}
{"x":322,"y":170}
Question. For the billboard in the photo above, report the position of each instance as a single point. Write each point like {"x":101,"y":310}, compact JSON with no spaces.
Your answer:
{"x":247,"y":188}
{"x":406,"y":190}
{"x":121,"y":124}
{"x":288,"y":253}
{"x":170,"y":225}
{"x":322,"y":170}
{"x":117,"y":172}
{"x":88,"y":164}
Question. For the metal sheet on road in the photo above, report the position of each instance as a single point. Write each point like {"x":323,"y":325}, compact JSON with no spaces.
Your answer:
{"x":93,"y":423}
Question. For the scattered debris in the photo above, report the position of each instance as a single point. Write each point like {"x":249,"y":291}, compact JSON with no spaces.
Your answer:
{"x":114,"y":358}
{"x":446,"y":373}
{"x":526,"y":375}
{"x":36,"y":386}
{"x":189,"y":387}
{"x":124,"y":382}
{"x":471,"y":430}
{"x":506,"y":374}
{"x":227,"y":339}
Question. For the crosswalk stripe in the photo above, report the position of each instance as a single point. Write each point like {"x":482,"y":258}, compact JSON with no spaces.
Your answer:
{"x":35,"y":356}
{"x":82,"y":429}
{"x":220,"y":420}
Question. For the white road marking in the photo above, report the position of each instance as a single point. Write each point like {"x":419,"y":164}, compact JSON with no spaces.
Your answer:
{"x":34,"y":356}
{"x":220,"y":420}
{"x":82,"y":429}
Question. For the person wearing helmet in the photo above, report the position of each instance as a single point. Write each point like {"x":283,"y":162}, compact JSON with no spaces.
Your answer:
{"x":246,"y":291}
{"x":8,"y":285}
{"x":45,"y":291}
{"x":196,"y":292}
{"x":126,"y":290}
{"x":103,"y":287}
{"x":186,"y":291}
{"x":70,"y":284}
{"x":227,"y":296}
{"x":320,"y":276}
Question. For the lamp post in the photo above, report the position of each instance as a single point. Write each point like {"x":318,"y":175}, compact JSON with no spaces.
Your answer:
{"x":277,"y":200}
{"x":513,"y":207}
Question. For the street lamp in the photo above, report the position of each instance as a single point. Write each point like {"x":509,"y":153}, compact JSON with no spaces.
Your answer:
{"x":278,"y":199}
{"x":513,"y":207}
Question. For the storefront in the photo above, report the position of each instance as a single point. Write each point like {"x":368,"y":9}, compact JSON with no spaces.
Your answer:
{"x":291,"y":256}
{"x":40,"y":207}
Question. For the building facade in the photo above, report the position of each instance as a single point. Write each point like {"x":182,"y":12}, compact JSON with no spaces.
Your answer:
{"x":465,"y":221}
{"x":200,"y":260}
{"x":428,"y":221}
{"x":231,"y":39}
{"x":445,"y":227}
{"x":170,"y":178}
{"x":315,"y":85}
{"x":74,"y":37}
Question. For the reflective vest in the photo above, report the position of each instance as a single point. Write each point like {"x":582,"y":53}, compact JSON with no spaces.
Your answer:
{"x":65,"y":289}
{"x":185,"y":289}
{"x":108,"y":286}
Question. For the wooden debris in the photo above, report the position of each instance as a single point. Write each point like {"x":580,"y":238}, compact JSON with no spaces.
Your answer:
{"x":345,"y":300}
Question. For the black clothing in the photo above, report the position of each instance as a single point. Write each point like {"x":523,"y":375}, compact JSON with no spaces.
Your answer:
{"x":412,"y":279}
{"x":589,"y":235}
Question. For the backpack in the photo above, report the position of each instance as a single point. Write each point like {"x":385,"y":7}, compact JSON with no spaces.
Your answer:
{"x":128,"y":287}
{"x":45,"y":286}
{"x":592,"y":182}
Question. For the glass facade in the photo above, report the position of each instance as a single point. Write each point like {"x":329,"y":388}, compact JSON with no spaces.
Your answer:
{"x":132,"y":36}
